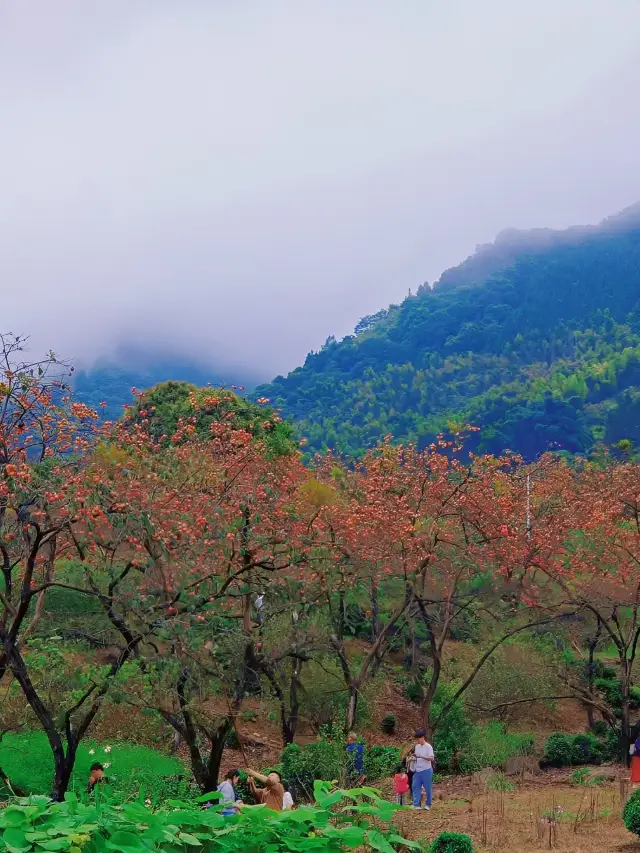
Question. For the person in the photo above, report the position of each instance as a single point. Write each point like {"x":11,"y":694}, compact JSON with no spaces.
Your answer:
{"x":287,"y":800}
{"x":96,"y":776}
{"x":423,"y":773}
{"x":635,"y":762}
{"x":355,"y":759}
{"x":272,"y":795}
{"x":227,"y":788}
{"x":401,"y":783}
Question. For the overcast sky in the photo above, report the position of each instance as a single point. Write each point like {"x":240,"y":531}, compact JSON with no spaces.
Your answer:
{"x":238,"y":180}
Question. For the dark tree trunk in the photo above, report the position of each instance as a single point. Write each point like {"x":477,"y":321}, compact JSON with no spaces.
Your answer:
{"x":62,"y":775}
{"x":217,"y":743}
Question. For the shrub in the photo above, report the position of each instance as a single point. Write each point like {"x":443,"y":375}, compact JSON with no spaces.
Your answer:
{"x":302,"y":766}
{"x":454,"y":729}
{"x":413,"y":692}
{"x":452,"y":842}
{"x":562,"y":750}
{"x":587,"y":749}
{"x":600,"y":729}
{"x":36,"y":825}
{"x":388,"y":724}
{"x":631,"y":813}
{"x":491,"y":745}
{"x":558,"y":750}
{"x":380,"y":761}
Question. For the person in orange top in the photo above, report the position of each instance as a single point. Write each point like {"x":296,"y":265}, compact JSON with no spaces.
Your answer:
{"x":272,"y":795}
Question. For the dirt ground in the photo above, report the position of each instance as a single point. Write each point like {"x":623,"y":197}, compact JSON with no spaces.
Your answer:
{"x":545,"y":814}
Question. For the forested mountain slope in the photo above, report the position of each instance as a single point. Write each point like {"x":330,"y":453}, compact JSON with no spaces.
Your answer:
{"x":535,"y":339}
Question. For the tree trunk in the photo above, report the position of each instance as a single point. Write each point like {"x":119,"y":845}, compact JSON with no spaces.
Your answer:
{"x":217,"y":740}
{"x":590,"y":680}
{"x":62,"y":774}
{"x":374,"y":611}
{"x":352,"y":707}
{"x":177,"y":740}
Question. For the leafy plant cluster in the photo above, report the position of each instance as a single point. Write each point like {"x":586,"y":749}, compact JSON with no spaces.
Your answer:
{"x":566,"y":750}
{"x":451,"y":842}
{"x":302,"y":766}
{"x":337,"y":821}
{"x":490,"y":745}
{"x":631,"y":813}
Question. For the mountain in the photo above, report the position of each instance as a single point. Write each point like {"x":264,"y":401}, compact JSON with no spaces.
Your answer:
{"x":111,"y":381}
{"x":535,"y":339}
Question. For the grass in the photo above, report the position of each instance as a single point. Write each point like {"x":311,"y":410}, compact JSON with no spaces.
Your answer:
{"x":26,"y":759}
{"x":490,"y":745}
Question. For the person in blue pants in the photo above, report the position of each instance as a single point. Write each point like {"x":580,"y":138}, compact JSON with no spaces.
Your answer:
{"x":424,"y":757}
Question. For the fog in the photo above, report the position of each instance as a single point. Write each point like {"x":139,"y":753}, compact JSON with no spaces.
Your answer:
{"x":235,"y":181}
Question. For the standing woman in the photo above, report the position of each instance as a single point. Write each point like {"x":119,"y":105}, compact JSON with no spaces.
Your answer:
{"x":423,"y":775}
{"x":635,"y":762}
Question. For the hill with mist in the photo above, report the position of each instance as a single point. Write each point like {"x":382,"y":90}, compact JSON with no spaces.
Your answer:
{"x":535,"y":339}
{"x":111,"y":381}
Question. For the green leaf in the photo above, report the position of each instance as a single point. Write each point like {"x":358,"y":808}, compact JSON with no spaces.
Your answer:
{"x":56,"y":843}
{"x":189,"y":839}
{"x":352,"y":836}
{"x":398,"y":839}
{"x":377,"y":840}
{"x":15,"y":839}
{"x":121,"y":840}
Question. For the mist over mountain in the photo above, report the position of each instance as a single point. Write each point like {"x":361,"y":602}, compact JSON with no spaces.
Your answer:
{"x":111,"y":380}
{"x":535,"y":338}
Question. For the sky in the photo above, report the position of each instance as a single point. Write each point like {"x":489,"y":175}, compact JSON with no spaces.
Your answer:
{"x":236,"y":180}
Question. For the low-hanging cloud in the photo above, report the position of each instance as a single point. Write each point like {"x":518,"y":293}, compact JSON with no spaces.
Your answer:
{"x":237,"y":181}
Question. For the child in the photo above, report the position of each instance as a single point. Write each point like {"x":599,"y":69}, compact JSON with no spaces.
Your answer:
{"x":287,"y":800}
{"x":96,"y":776}
{"x":401,"y":783}
{"x":227,"y":788}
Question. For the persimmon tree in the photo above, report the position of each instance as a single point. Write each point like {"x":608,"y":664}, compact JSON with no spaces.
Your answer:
{"x":43,"y":436}
{"x":177,"y":540}
{"x":439,"y":536}
{"x":598,"y":568}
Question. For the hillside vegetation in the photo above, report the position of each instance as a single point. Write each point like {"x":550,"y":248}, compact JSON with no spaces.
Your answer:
{"x":535,"y":339}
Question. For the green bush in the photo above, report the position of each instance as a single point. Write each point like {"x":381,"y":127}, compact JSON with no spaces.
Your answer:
{"x":631,"y":813}
{"x":491,"y":745}
{"x":413,"y":692}
{"x":452,"y":842}
{"x":388,"y":724}
{"x":304,"y":765}
{"x":26,"y":759}
{"x":558,"y":750}
{"x":380,"y":761}
{"x":563,"y":750}
{"x":453,"y":731}
{"x":36,"y":825}
{"x":587,"y":749}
